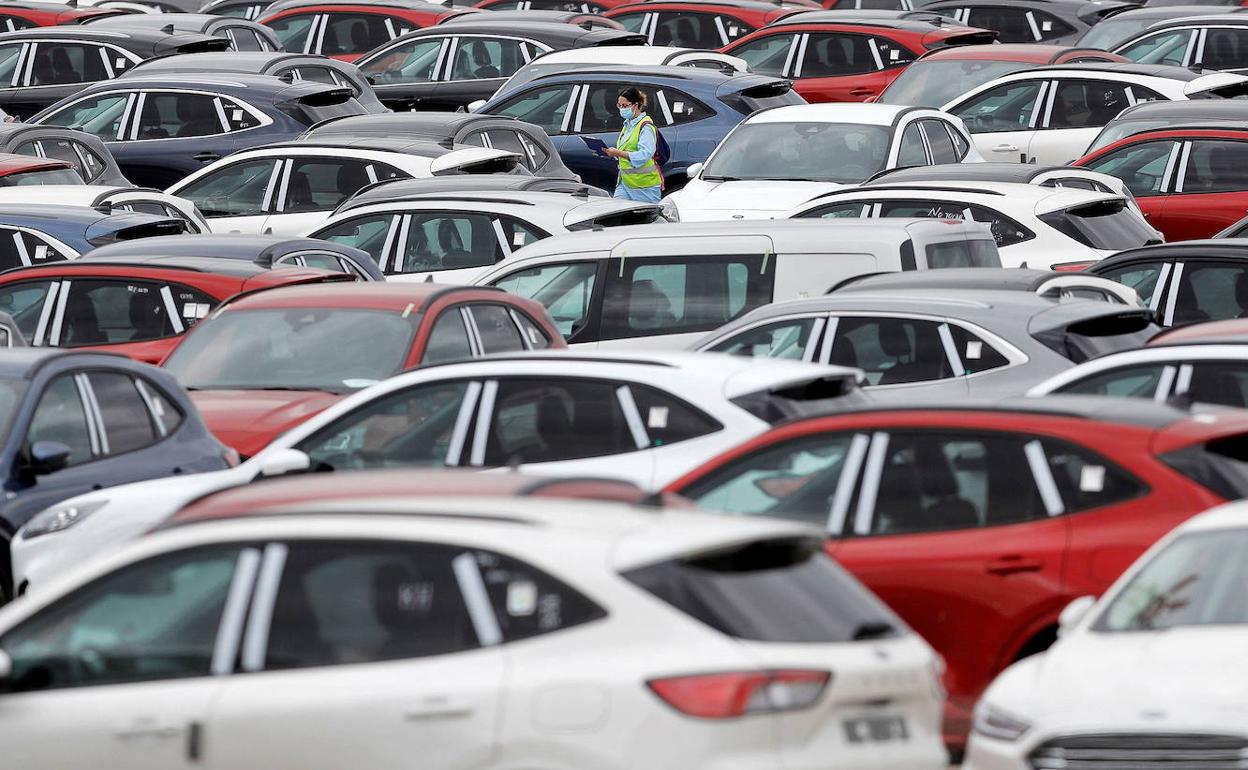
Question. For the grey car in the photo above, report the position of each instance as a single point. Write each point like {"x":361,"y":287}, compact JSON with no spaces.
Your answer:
{"x":936,"y":342}
{"x":268,"y":251}
{"x":1053,"y":284}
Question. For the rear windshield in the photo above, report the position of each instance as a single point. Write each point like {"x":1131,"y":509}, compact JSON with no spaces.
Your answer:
{"x":935,"y":83}
{"x":42,"y":177}
{"x":761,"y":98}
{"x":1220,"y":466}
{"x":1111,"y":33}
{"x":963,"y":253}
{"x":771,"y":591}
{"x":1106,"y":225}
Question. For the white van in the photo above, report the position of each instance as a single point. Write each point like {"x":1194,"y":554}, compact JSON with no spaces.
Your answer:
{"x":662,"y":287}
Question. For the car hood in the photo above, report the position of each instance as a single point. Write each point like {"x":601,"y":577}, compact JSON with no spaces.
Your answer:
{"x":248,"y":420}
{"x":746,"y":199}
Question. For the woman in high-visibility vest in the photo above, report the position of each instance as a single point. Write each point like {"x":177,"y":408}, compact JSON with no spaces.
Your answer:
{"x":640,"y":179}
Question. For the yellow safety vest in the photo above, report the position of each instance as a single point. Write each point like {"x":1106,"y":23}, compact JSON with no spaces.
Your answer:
{"x":646,"y":175}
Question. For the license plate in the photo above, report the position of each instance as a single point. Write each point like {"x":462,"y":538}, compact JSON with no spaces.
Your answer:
{"x":876,"y":729}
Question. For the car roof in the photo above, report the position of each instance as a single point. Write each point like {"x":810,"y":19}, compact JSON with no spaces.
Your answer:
{"x":1038,"y":53}
{"x":1170,"y":11}
{"x":1233,"y":515}
{"x":395,"y":189}
{"x":236,"y":268}
{"x":934,"y":23}
{"x":1223,"y":248}
{"x":224,"y":61}
{"x":142,"y":38}
{"x":221,"y":245}
{"x":402,"y":145}
{"x":17,"y":164}
{"x":21,"y":363}
{"x":413,"y":5}
{"x":398,"y":297}
{"x":962,"y":278}
{"x":871,"y":114}
{"x":563,"y":202}
{"x":421,"y":125}
{"x":1188,"y":109}
{"x":646,"y":72}
{"x":1017,"y":173}
{"x":1164,"y":71}
{"x":761,"y":6}
{"x":83,"y":215}
{"x":1232,"y":331}
{"x":1205,"y":18}
{"x":552,"y":32}
{"x":158,"y":21}
{"x":226,"y":82}
{"x":1055,"y":197}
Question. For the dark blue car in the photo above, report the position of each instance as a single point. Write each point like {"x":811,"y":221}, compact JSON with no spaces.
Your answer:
{"x":693,"y":108}
{"x":74,"y":422}
{"x":162,"y":127}
{"x":39,"y":233}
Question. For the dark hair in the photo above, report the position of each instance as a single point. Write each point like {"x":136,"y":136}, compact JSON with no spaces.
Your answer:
{"x":634,"y":96}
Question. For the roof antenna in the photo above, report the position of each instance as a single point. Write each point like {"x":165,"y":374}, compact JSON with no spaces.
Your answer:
{"x":429,"y":278}
{"x":1182,"y":401}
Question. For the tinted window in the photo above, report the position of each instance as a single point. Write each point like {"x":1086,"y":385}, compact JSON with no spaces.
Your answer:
{"x":543,"y":107}
{"x":527,"y":601}
{"x":1225,"y":49}
{"x":566,"y":291}
{"x":127,"y":423}
{"x":667,"y":419}
{"x":97,"y":115}
{"x":168,"y":416}
{"x":975,"y":354}
{"x":498,"y":332}
{"x":60,"y":417}
{"x":60,"y":149}
{"x":1162,"y":48}
{"x":1123,"y":382}
{"x":891,"y":351}
{"x":1050,"y":26}
{"x":448,"y":242}
{"x":912,"y":152}
{"x":783,"y":339}
{"x":1211,"y":292}
{"x":1219,"y":382}
{"x":351,"y":33}
{"x":1141,"y":167}
{"x":23,"y":301}
{"x":179,"y":115}
{"x":234,"y":191}
{"x":1216,"y":166}
{"x":9,"y":56}
{"x":244,"y":39}
{"x":448,"y":339}
{"x":292,"y":31}
{"x":556,"y":419}
{"x":59,"y":63}
{"x":411,"y":62}
{"x":1079,"y":104}
{"x":367,"y":233}
{"x":1008,"y":107}
{"x":766,"y":55}
{"x":840,"y":210}
{"x":1011,"y":23}
{"x":319,"y":184}
{"x":1109,"y":225}
{"x":114,"y":311}
{"x":687,"y":29}
{"x":675,"y":107}
{"x":835,"y":55}
{"x":1086,"y":480}
{"x":602,"y":114}
{"x":1005,"y":231}
{"x":484,"y":58}
{"x":941,"y":143}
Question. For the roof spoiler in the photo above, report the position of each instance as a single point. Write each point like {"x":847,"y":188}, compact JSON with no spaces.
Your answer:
{"x":800,"y":396}
{"x":985,"y":37}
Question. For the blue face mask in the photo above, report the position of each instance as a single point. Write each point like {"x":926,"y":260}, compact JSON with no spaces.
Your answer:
{"x":626,"y":112}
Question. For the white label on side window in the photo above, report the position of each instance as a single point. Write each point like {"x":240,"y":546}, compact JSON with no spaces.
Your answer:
{"x":1046,"y":26}
{"x":678,"y":106}
{"x":237,"y":115}
{"x":120,"y":63}
{"x":733,"y":30}
{"x":894,"y":54}
{"x":657,"y":417}
{"x":517,"y":239}
{"x":521,"y":598}
{"x":974,"y":350}
{"x":1092,"y":478}
{"x":41,"y":251}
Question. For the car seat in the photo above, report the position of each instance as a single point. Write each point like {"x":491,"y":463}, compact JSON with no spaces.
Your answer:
{"x":843,"y":352}
{"x":193,"y":121}
{"x":830,"y":58}
{"x":1212,"y":386}
{"x":649,"y":307}
{"x":147,"y":316}
{"x":420,"y":616}
{"x":294,"y":635}
{"x":1187,"y":305}
{"x":926,"y":362}
{"x":1220,"y":51}
{"x":898,"y":503}
{"x":82,"y":326}
{"x":350,"y":179}
{"x":62,"y":67}
{"x":938,"y":483}
{"x":483,"y":67}
{"x":555,"y":429}
{"x":299,"y":193}
{"x":357,"y":37}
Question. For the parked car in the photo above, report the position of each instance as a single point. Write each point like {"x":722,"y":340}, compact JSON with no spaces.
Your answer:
{"x":939,"y":342}
{"x":268,"y":251}
{"x":25,"y":171}
{"x":986,"y":516}
{"x":20,"y":14}
{"x":1112,"y":31}
{"x":707,"y":24}
{"x":1185,"y":282}
{"x":292,"y":66}
{"x":161,"y":128}
{"x":109,"y":199}
{"x":1146,"y":116}
{"x":456,"y":184}
{"x":687,"y":406}
{"x":584,"y":6}
{"x":630,"y":287}
{"x":39,"y":233}
{"x":1167,"y":617}
{"x":1061,"y":177}
{"x":781,"y":158}
{"x":448,"y":67}
{"x":246,"y":9}
{"x":349,"y":29}
{"x":1060,"y":22}
{"x":1034,"y":225}
{"x":1237,"y":230}
{"x":576,"y":18}
{"x":59,"y":61}
{"x":261,"y":365}
{"x":291,"y":188}
{"x":527,"y":141}
{"x":81,"y":421}
{"x":455,"y":237}
{"x":89,"y":156}
{"x":1214,"y":41}
{"x":833,"y":59}
{"x":243,"y":35}
{"x":1231,"y":331}
{"x":1062,"y":286}
{"x":1049,"y":115}
{"x":137,"y":306}
{"x":694,"y":109}
{"x":1190,"y":181}
{"x":940,"y":75}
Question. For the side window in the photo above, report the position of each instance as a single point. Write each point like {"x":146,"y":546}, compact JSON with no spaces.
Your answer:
{"x":528,"y":602}
{"x":354,"y":33}
{"x":841,"y":211}
{"x":912,"y":152}
{"x":449,"y":241}
{"x":292,"y":31}
{"x":91,"y":165}
{"x":127,"y":421}
{"x":358,"y":602}
{"x":833,"y":55}
{"x":1141,"y":277}
{"x":545,"y":107}
{"x":168,"y":416}
{"x":509,"y":141}
{"x":535,"y":334}
{"x":61,"y":63}
{"x":601,"y":113}
{"x":960,"y":144}
{"x":550,"y":420}
{"x":1142,"y":167}
{"x":633,"y":22}
{"x":1122,"y":382}
{"x":448,"y":340}
{"x":411,"y":62}
{"x":10,"y":57}
{"x":516,"y":234}
{"x":320,"y":184}
{"x":1087,"y":103}
{"x":892,"y":53}
{"x":1007,"y":107}
{"x":1086,"y":480}
{"x":782,"y":339}
{"x":22,"y":301}
{"x":237,"y":117}
{"x":1225,"y":49}
{"x":96,"y":115}
{"x":497,"y":331}
{"x":244,"y":39}
{"x":179,"y":115}
{"x":1005,"y":231}
{"x":667,"y":419}
{"x":61,"y":417}
{"x":154,"y":620}
{"x":678,"y":108}
{"x":1219,"y":382}
{"x":891,"y":351}
{"x":59,"y":149}
{"x":734,"y":29}
{"x":14,"y":23}
{"x":976,"y":354}
{"x":234,"y":191}
{"x":1012,"y":24}
{"x":317,"y":75}
{"x":485,"y":58}
{"x":367,"y":233}
{"x":1210,"y":292}
{"x":19,"y":249}
{"x":535,"y":150}
{"x":1046,"y":26}
{"x":673,"y":296}
{"x":1162,"y":48}
{"x":103,"y":311}
{"x":767,"y":55}
{"x":566,"y":290}
{"x":1216,"y":166}
{"x":940,"y":141}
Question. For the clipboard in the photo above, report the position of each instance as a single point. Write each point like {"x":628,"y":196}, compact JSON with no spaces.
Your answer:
{"x":596,"y":145}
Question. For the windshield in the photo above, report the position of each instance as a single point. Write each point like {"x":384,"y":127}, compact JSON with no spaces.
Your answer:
{"x":1198,"y":580}
{"x":963,"y":253}
{"x":49,"y":176}
{"x":936,"y":83}
{"x":810,"y":152}
{"x":1108,"y":35}
{"x":1109,"y":225}
{"x":333,"y":350}
{"x":11,"y":392}
{"x":1120,"y":129}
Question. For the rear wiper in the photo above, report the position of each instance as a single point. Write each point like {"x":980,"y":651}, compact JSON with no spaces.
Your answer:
{"x":877,"y":629}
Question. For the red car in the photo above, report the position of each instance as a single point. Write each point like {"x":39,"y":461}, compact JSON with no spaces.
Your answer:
{"x":139,"y":308}
{"x":581,"y":6}
{"x":978,"y":525}
{"x":833,"y":60}
{"x":268,"y":361}
{"x":22,"y":15}
{"x":1190,"y":182}
{"x":18,"y":170}
{"x":704,"y":24}
{"x":348,"y":30}
{"x":1232,"y":331}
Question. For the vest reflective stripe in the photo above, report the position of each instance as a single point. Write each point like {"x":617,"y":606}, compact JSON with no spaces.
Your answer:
{"x":646,"y":175}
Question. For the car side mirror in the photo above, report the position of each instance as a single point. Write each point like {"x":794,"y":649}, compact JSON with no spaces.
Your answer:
{"x":693,"y":170}
{"x":1075,"y":613}
{"x":280,"y":462}
{"x":474,"y":106}
{"x":47,"y":457}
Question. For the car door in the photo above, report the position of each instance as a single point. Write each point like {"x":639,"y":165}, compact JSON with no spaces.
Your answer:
{"x":297,"y":32}
{"x":1148,"y":169}
{"x":1210,"y":189}
{"x":13,"y":79}
{"x":309,"y":188}
{"x":152,"y":147}
{"x":136,"y":318}
{"x":842,"y":67}
{"x":477,"y":65}
{"x":1003,"y":119}
{"x":1222,"y":48}
{"x":1173,"y":47}
{"x":56,"y":69}
{"x":896,"y":352}
{"x":374,"y":233}
{"x":552,"y":109}
{"x":236,"y":197}
{"x":405,"y":76}
{"x":363,"y":640}
{"x":1075,"y":111}
{"x":122,"y":676}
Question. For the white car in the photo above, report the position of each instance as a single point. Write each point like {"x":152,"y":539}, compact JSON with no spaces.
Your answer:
{"x":1207,"y":372}
{"x":289,"y":188}
{"x":1049,"y":115}
{"x":647,"y":419}
{"x":1034,"y":226}
{"x":474,"y":631}
{"x":780,"y":158}
{"x":1152,"y":675}
{"x":140,"y":199}
{"x":455,"y":237}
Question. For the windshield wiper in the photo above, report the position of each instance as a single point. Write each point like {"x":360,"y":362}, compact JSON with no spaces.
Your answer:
{"x":714,"y":178}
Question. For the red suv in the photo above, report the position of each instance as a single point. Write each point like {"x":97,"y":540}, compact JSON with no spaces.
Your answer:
{"x":705,"y":24}
{"x":267,"y":362}
{"x":140,"y":308}
{"x":846,"y":61}
{"x":348,"y":30}
{"x":979,"y":524}
{"x":17,"y":170}
{"x":20,"y":15}
{"x":585,"y":6}
{"x":1190,"y":182}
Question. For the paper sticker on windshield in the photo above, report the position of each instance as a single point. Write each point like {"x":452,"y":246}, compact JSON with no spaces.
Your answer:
{"x":195,"y":310}
{"x":657,"y":417}
{"x":974,"y":350}
{"x":237,"y":115}
{"x":120,"y":63}
{"x":1092,"y":478}
{"x":41,"y":251}
{"x":678,"y":106}
{"x":733,"y":30}
{"x":521,"y":598}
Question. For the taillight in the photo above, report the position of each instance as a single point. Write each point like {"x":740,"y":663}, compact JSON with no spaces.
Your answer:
{"x":738,"y":693}
{"x":231,"y":457}
{"x":1072,"y":267}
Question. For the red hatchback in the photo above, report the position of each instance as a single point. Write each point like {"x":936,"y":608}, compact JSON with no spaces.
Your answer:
{"x":1190,"y":182}
{"x":267,"y":362}
{"x":704,"y":24}
{"x":21,"y":15}
{"x":138,"y":308}
{"x":348,"y":30}
{"x":17,"y":170}
{"x":979,"y":524}
{"x":846,"y":61}
{"x":583,"y":6}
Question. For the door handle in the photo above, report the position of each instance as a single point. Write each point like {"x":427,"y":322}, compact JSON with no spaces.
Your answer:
{"x":861,"y":91}
{"x":439,"y":707}
{"x":1005,"y":148}
{"x":147,"y":728}
{"x":1013,"y":565}
{"x":206,"y":157}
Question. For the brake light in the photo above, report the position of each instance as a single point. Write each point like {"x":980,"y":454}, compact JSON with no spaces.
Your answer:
{"x":1072,"y":267}
{"x":738,"y":693}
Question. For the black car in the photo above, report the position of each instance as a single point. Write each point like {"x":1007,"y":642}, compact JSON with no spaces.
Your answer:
{"x":452,"y":65}
{"x":531,"y":143}
{"x":1187,"y":281}
{"x":1116,"y":29}
{"x":243,"y":35}
{"x":264,"y":250}
{"x":162,"y":127}
{"x":240,"y":9}
{"x":87,"y":154}
{"x":42,"y":66}
{"x":78,"y":421}
{"x":1060,"y":22}
{"x":292,"y":66}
